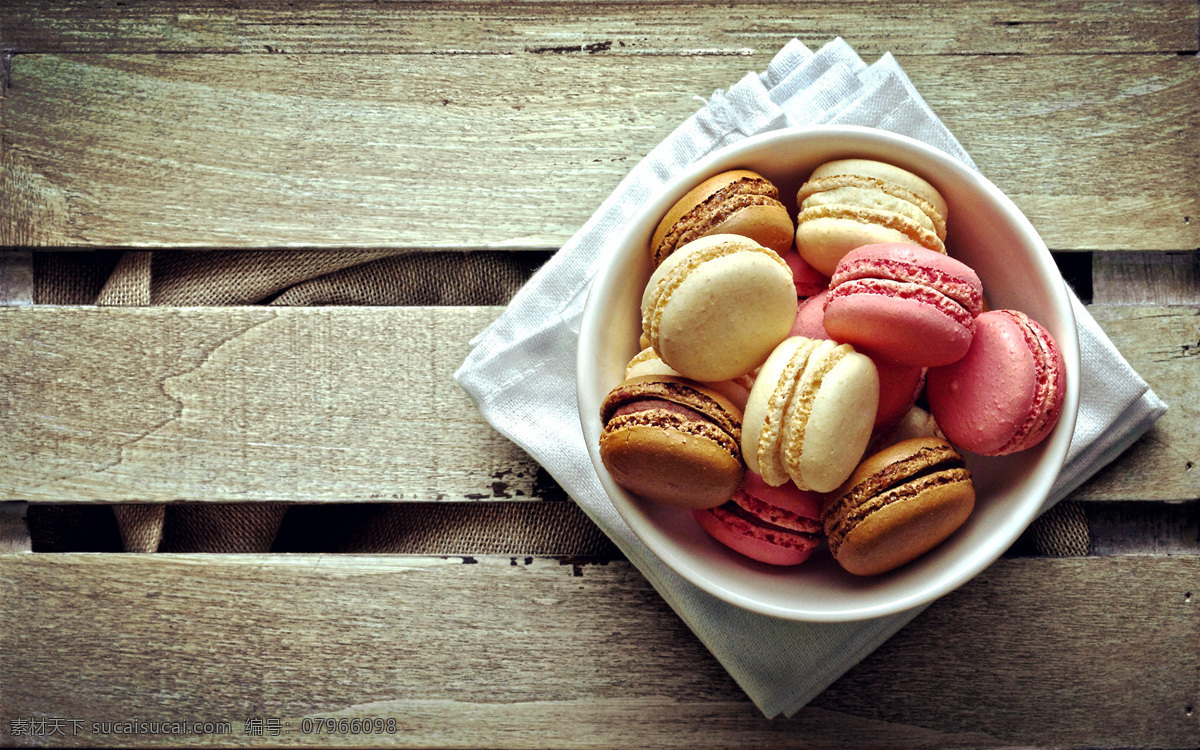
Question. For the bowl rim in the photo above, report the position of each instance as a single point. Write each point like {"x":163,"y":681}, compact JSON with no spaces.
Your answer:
{"x":1057,"y":444}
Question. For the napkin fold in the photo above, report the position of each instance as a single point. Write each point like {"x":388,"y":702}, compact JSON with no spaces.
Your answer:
{"x":521,"y":370}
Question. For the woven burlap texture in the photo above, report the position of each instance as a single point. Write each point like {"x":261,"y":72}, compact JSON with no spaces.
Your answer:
{"x":351,"y":277}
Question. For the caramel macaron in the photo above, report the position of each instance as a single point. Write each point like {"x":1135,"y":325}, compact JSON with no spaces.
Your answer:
{"x":735,"y":202}
{"x":672,"y":441}
{"x":897,"y":505}
{"x":717,"y":307}
{"x":849,"y":203}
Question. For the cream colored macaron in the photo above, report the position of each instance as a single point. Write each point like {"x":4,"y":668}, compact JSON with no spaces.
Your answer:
{"x":647,"y":362}
{"x":810,"y":414}
{"x":849,"y":203}
{"x":716,"y":307}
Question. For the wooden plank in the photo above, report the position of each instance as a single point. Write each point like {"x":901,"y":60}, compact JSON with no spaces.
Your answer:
{"x":1163,"y":346}
{"x":247,"y":404}
{"x":14,"y":532}
{"x":355,"y":404}
{"x":1146,"y":278}
{"x":615,"y":28}
{"x":512,"y":652}
{"x":236,"y":151}
{"x":16,"y":277}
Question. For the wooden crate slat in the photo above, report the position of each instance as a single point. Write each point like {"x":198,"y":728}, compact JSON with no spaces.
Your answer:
{"x":253,"y":404}
{"x":1163,"y":345}
{"x":514,"y":652}
{"x":614,"y":28}
{"x":356,"y":404}
{"x":238,"y":151}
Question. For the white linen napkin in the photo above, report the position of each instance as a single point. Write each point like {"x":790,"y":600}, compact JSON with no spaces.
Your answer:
{"x":521,"y":371}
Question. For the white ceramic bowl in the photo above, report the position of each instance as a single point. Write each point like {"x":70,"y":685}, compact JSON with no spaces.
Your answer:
{"x":986,"y":231}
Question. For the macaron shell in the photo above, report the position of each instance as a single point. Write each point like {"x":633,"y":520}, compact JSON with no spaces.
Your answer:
{"x":724,"y":315}
{"x":886,"y":172}
{"x":809,"y":281}
{"x":670,"y":466}
{"x":988,"y":399}
{"x":787,"y":496}
{"x":824,"y":238}
{"x":913,"y":264}
{"x":837,"y":427}
{"x":898,"y":321}
{"x":870,"y":197}
{"x":768,"y":225}
{"x":695,"y":197}
{"x":901,"y":531}
{"x":749,"y":207}
{"x":899,"y":384}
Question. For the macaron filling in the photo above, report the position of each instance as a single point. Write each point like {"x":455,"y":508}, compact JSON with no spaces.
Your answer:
{"x":957,"y":288}
{"x":905,"y":226}
{"x":647,"y":404}
{"x":832,"y":183}
{"x":772,"y":518}
{"x":673,"y":420}
{"x":903,"y":290}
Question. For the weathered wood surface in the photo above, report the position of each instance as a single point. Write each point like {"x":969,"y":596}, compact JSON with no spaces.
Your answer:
{"x":243,"y":151}
{"x":531,"y":652}
{"x":241,"y":404}
{"x":904,"y":27}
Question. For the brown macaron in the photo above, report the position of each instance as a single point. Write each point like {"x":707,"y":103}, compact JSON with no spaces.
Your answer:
{"x":673,"y":441}
{"x":897,"y":505}
{"x":735,"y":202}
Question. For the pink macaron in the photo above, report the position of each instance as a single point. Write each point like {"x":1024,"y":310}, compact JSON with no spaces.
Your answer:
{"x":774,"y":525}
{"x":899,"y":385}
{"x":1006,"y":393}
{"x":808,"y":280}
{"x":905,"y":303}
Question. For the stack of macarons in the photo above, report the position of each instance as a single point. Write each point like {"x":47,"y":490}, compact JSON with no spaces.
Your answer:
{"x":778,"y":394}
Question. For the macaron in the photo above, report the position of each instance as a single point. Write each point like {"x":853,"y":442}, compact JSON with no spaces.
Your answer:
{"x":897,"y":505}
{"x":905,"y":303}
{"x":810,"y":414}
{"x":914,"y":424}
{"x":717,"y":307}
{"x":672,"y":441}
{"x":808,"y":280}
{"x":735,"y":202}
{"x":1006,"y":394}
{"x":848,"y":203}
{"x":899,"y":385}
{"x":647,"y":362}
{"x":773,"y":525}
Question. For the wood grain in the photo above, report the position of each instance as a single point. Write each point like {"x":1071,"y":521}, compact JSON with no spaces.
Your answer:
{"x":251,"y":404}
{"x":1146,"y":278}
{"x":530,"y":652}
{"x":1163,"y":346}
{"x":611,"y":28}
{"x":355,"y":404}
{"x":14,"y":532}
{"x":240,"y":151}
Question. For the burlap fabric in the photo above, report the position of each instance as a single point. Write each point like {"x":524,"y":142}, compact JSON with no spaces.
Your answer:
{"x":359,"y":277}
